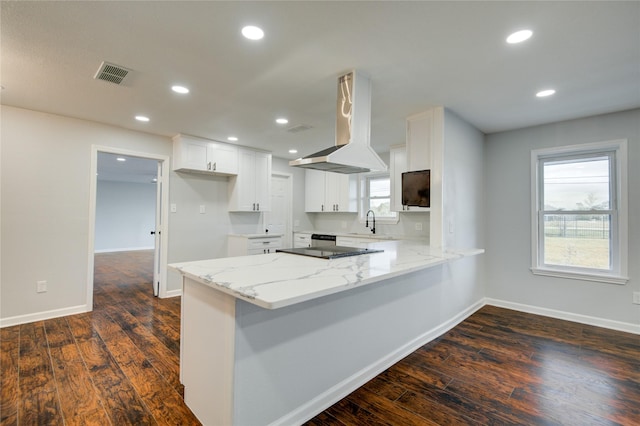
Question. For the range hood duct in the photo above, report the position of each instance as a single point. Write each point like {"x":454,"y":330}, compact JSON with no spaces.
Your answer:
{"x":352,"y":152}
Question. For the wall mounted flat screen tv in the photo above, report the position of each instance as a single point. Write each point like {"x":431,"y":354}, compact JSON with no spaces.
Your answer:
{"x":416,"y":188}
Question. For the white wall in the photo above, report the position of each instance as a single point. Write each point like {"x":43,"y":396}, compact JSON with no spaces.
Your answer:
{"x":125,"y":216}
{"x":508,"y":223}
{"x":45,"y":207}
{"x":463,"y":196}
{"x":45,"y":176}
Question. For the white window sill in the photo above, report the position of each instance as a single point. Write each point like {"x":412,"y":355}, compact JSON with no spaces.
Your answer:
{"x":601,"y":278}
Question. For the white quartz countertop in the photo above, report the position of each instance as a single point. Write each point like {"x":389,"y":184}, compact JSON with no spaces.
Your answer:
{"x":280,"y":279}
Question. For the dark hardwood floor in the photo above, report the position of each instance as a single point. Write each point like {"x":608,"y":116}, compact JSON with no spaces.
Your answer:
{"x":119,"y":365}
{"x":505,"y":367}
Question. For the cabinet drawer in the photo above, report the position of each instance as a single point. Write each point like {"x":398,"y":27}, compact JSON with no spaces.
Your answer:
{"x":302,"y":241}
{"x":264,"y":250}
{"x":264,"y":243}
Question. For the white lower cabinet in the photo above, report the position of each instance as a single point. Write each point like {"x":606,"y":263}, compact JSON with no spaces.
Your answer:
{"x":301,"y":239}
{"x":243,"y":245}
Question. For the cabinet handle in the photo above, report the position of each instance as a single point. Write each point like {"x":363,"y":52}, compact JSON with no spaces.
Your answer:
{"x":322,"y":207}
{"x":214,"y":167}
{"x":209,"y":165}
{"x":258,"y":206}
{"x":337,"y":208}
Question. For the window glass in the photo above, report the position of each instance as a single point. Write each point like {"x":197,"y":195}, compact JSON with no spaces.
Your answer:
{"x":577,"y":184}
{"x":377,"y":196}
{"x":579,"y":227}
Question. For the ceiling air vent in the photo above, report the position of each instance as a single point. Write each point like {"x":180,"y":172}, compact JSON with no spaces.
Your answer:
{"x":299,"y":128}
{"x":112,"y":73}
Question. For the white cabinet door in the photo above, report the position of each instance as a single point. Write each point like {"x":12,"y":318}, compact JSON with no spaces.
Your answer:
{"x":398,"y":160}
{"x":330,"y":192}
{"x":301,"y":240}
{"x":223,"y":158}
{"x":314,"y":191}
{"x":419,"y":129}
{"x":250,"y":190}
{"x":262,"y":168}
{"x":203,"y":156}
{"x":190,"y":154}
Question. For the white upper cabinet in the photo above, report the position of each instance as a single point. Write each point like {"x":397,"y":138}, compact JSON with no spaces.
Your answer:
{"x":419,"y":129}
{"x":204,"y":156}
{"x":330,"y":192}
{"x":250,"y":190}
{"x":397,"y":166}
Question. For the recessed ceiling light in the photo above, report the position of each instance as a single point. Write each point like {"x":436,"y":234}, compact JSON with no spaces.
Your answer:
{"x":180,"y":89}
{"x":519,"y":36}
{"x":293,"y":151}
{"x":252,"y":32}
{"x":545,"y":93}
{"x":121,"y":159}
{"x":282,"y":120}
{"x":232,"y":138}
{"x":142,"y":118}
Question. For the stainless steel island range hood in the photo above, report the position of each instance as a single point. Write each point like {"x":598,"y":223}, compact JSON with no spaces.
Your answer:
{"x":352,"y":152}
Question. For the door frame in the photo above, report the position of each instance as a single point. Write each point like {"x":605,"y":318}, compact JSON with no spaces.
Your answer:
{"x":163,"y":160}
{"x":289,"y":236}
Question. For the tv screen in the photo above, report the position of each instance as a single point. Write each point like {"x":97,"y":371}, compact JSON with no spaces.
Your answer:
{"x":415,"y":188}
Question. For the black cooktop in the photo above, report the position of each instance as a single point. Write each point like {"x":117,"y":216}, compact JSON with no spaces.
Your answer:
{"x":330,"y":252}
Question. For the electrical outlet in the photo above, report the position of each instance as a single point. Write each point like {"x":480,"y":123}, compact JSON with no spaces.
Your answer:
{"x":636,"y":297}
{"x":419,"y":226}
{"x":41,"y":286}
{"x":202,"y":209}
{"x":174,"y":208}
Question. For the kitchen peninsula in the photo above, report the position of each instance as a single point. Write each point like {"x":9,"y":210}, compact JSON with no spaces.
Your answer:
{"x":275,"y":338}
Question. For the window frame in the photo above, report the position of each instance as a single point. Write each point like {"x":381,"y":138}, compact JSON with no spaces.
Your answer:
{"x":363,"y":198}
{"x":617,"y":150}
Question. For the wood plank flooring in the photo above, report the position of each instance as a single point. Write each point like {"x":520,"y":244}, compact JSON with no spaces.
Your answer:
{"x":119,"y":365}
{"x":505,"y":367}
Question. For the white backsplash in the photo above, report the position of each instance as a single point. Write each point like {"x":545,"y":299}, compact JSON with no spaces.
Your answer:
{"x":349,"y":223}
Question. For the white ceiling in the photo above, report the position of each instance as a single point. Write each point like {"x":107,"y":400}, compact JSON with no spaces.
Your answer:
{"x":132,"y":169}
{"x":418,"y":54}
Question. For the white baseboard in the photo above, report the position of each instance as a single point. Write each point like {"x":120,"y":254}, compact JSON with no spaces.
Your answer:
{"x":115,"y":250}
{"x":171,"y":293}
{"x":582,"y":319}
{"x":41,"y":316}
{"x":348,"y":385}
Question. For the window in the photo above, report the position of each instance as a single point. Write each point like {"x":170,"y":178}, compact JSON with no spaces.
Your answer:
{"x":376,"y":196}
{"x":579,"y":218}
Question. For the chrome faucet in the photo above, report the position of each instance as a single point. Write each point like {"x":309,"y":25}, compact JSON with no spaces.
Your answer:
{"x":373,"y":228}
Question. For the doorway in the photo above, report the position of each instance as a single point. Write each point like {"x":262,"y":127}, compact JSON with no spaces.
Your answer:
{"x":278,"y":220}
{"x":127,"y":213}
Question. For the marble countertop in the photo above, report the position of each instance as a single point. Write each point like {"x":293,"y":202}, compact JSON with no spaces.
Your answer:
{"x":280,"y":279}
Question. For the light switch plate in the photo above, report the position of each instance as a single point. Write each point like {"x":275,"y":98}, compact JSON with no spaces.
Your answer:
{"x":202,"y":209}
{"x":636,"y":297}
{"x":174,"y":208}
